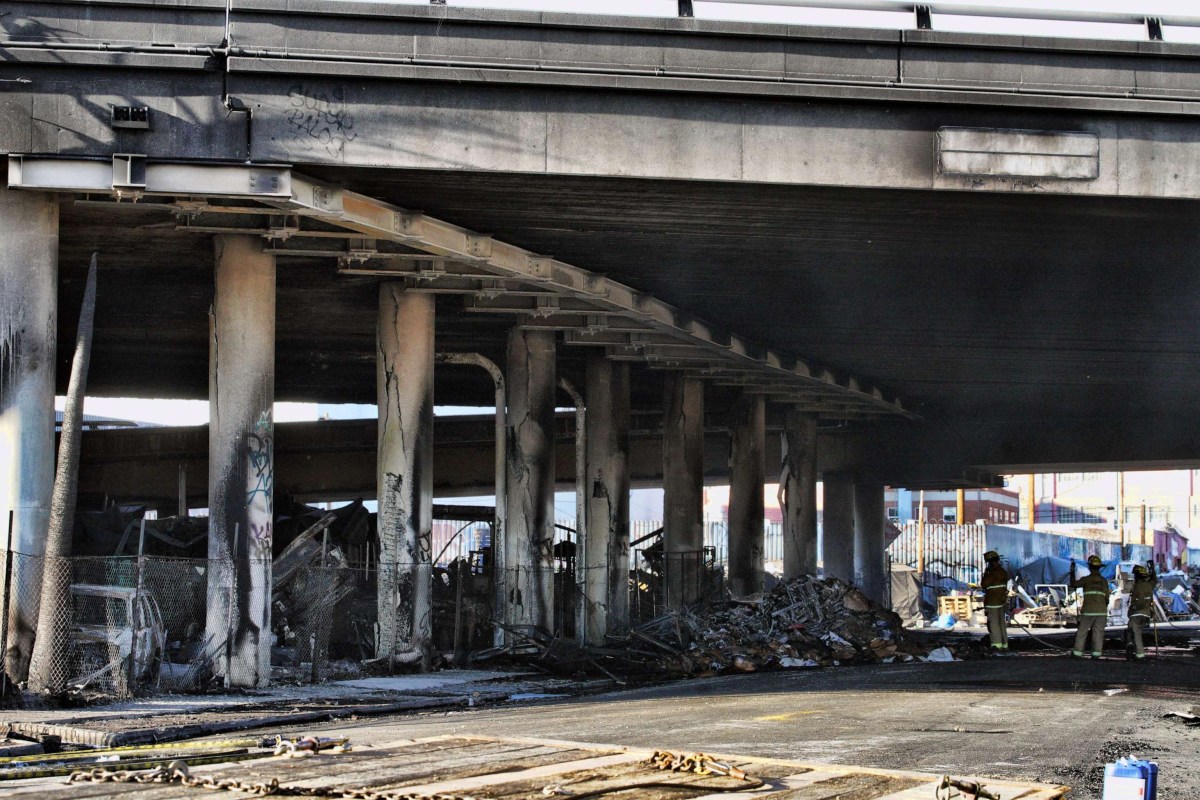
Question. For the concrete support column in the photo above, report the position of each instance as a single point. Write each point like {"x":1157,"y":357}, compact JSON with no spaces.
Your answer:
{"x":798,"y":486}
{"x":869,"y":574}
{"x":605,"y":556}
{"x":683,"y":487}
{"x":747,"y":476}
{"x":28,"y":332}
{"x":241,"y":471}
{"x":404,"y":392}
{"x":528,"y":546}
{"x":837,"y":544}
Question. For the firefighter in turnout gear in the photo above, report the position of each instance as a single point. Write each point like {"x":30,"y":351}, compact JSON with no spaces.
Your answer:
{"x":1093,"y":616}
{"x":995,"y":601}
{"x":1141,"y":605}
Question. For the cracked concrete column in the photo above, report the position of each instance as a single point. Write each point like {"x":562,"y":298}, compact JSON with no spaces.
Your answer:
{"x":747,"y":476}
{"x":404,"y":388}
{"x":528,"y":546}
{"x":798,"y":487}
{"x":241,"y":466}
{"x":28,"y":332}
{"x":869,"y":573}
{"x":683,"y":487}
{"x":605,"y":557}
{"x":837,"y":543}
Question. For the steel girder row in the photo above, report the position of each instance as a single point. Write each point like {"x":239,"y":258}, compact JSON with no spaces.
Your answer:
{"x":303,"y":217}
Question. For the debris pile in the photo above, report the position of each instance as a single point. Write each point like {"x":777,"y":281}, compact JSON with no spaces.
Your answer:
{"x":309,"y":578}
{"x":806,"y":622}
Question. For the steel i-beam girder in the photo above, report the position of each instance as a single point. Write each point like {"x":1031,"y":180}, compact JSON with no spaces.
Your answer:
{"x":301,"y":217}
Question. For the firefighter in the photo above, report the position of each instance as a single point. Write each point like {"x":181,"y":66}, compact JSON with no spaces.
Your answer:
{"x":1093,"y":616}
{"x":1141,"y":605}
{"x":995,"y":601}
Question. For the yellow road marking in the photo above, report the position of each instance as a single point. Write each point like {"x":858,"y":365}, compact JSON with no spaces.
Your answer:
{"x":787,"y":716}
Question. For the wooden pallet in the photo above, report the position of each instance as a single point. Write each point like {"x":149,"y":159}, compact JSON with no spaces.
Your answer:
{"x":520,"y":769}
{"x":963,"y":607}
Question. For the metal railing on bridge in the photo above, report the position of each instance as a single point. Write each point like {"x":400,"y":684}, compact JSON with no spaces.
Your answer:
{"x":1152,"y":18}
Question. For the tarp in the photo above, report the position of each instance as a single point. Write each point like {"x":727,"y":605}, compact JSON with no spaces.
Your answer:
{"x":1046,"y":570}
{"x":906,"y":593}
{"x":1058,"y":570}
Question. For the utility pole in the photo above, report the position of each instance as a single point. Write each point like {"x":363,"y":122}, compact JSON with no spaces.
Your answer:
{"x":921,"y":534}
{"x":1032,"y":502}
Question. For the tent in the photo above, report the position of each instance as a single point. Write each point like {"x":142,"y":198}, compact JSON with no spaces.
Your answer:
{"x":1048,"y":569}
{"x":906,"y":593}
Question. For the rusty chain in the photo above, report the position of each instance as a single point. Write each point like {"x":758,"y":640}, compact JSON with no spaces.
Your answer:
{"x":699,"y":763}
{"x":177,"y":772}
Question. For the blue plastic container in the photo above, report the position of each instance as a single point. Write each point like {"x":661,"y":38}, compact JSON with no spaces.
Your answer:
{"x":1131,"y":779}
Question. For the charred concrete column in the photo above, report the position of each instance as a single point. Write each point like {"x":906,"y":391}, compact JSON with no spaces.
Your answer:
{"x":528,"y":547}
{"x":605,"y":557}
{"x":837,"y":543}
{"x":404,"y":387}
{"x":798,"y":487}
{"x":868,"y":540}
{"x":28,"y":331}
{"x":241,"y":466}
{"x":683,"y":486}
{"x":746,"y":479}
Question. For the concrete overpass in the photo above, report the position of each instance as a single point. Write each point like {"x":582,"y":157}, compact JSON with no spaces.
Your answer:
{"x":950,"y":255}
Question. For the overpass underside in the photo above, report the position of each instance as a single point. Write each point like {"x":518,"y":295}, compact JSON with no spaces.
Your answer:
{"x":912,"y":258}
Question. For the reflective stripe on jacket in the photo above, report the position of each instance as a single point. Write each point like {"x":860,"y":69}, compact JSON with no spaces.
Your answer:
{"x":1141,"y":597}
{"x":1095,"y":594}
{"x":995,"y":587}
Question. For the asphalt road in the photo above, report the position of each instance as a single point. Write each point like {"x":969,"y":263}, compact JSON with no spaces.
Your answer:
{"x":1034,"y":717}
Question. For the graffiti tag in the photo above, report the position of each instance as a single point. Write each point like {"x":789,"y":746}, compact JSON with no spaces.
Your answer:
{"x":322,"y":118}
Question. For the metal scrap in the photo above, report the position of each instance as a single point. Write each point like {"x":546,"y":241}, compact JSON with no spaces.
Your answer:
{"x":803,"y":622}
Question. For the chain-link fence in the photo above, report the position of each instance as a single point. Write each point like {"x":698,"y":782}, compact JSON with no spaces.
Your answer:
{"x":673,"y":580}
{"x":126,"y":625}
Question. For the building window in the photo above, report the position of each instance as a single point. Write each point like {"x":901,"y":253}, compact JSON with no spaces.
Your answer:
{"x":1157,"y":514}
{"x":1070,"y":515}
{"x":949,"y":514}
{"x":893,"y":512}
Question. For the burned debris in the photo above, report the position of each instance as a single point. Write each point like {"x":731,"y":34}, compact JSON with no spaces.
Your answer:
{"x":806,"y":622}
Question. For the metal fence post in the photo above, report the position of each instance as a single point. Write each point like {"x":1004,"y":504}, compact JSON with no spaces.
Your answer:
{"x":8,"y":555}
{"x":137,"y":606}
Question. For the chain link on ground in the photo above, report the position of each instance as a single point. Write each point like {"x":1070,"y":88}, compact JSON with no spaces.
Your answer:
{"x":177,"y":772}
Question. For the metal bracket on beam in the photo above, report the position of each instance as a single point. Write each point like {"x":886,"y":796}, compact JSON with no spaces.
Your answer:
{"x":924,"y":18}
{"x":1154,"y":29}
{"x":685,"y":8}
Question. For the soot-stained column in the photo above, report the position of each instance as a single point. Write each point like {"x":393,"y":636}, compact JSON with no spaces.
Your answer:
{"x":746,"y":479}
{"x":241,"y":468}
{"x":529,"y":544}
{"x":606,"y":549}
{"x":683,"y":487}
{"x":837,"y":543}
{"x":405,"y":479}
{"x":28,"y":331}
{"x":868,"y":540}
{"x":799,"y":490}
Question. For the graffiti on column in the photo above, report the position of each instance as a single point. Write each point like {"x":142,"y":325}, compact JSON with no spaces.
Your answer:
{"x":260,"y":473}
